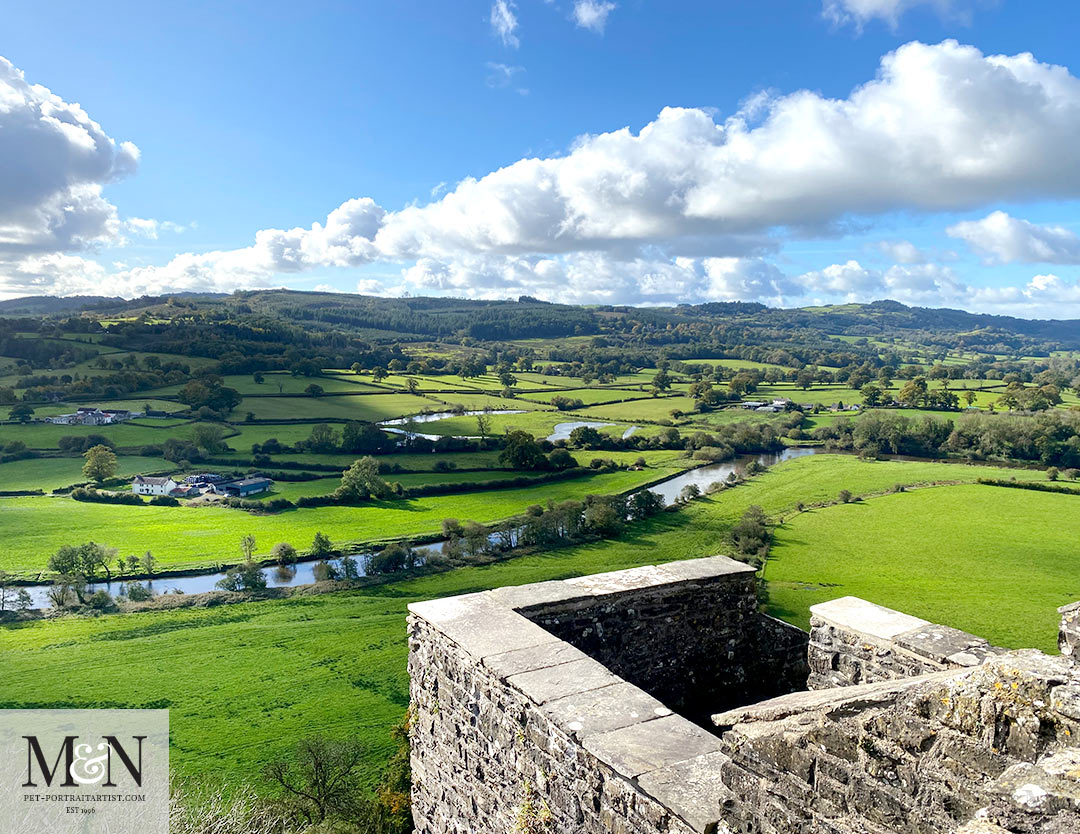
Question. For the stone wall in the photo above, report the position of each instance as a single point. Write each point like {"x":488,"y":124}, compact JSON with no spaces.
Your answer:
{"x":517,"y":730}
{"x":997,"y":744}
{"x":853,"y":641}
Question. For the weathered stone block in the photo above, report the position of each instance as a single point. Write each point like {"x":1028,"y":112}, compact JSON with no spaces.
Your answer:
{"x":651,"y":745}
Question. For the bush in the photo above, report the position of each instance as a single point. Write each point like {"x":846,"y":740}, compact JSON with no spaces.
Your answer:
{"x":714,"y":454}
{"x":392,"y":558}
{"x":1072,"y":474}
{"x":845,"y":496}
{"x":751,"y":537}
{"x":137,"y":592}
{"x":164,"y":501}
{"x":689,"y":493}
{"x":442,"y":466}
{"x":321,"y":546}
{"x":245,"y":577}
{"x":283,"y":553}
{"x":84,"y":494}
{"x":101,"y":601}
{"x":1052,"y":473}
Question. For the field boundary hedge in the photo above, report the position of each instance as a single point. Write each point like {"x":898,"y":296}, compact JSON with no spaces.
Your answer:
{"x":1039,"y":486}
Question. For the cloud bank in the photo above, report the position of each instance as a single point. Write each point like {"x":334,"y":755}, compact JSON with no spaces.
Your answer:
{"x":684,"y":209}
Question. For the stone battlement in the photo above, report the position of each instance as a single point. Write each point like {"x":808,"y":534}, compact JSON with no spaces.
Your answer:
{"x":660,"y":700}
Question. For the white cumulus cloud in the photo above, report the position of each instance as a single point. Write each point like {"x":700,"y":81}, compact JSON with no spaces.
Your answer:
{"x":592,"y":14}
{"x":54,"y":160}
{"x":1000,"y":238}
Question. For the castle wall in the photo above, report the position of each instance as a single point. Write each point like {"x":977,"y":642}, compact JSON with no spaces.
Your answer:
{"x":853,"y":641}
{"x":542,"y":724}
{"x":539,"y":703}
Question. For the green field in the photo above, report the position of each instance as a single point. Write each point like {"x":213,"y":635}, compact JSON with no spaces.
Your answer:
{"x":124,"y":435}
{"x":336,"y":663}
{"x":34,"y":528}
{"x":992,"y":561}
{"x":52,"y":473}
{"x":371,"y":407}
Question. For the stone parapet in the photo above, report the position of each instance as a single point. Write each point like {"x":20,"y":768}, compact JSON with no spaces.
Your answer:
{"x":562,"y":708}
{"x":853,"y":641}
{"x":990,"y":749}
{"x":550,"y":705}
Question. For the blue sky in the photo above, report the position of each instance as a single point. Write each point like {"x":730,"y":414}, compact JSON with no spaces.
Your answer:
{"x":255,"y":121}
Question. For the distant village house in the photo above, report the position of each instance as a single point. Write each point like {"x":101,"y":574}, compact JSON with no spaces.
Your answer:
{"x":148,"y":485}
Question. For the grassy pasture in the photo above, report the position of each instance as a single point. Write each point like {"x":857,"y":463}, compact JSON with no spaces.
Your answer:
{"x":1002,"y":578}
{"x":589,"y":396}
{"x":124,"y":435}
{"x":651,"y":409}
{"x":337,"y":662}
{"x":537,"y":423}
{"x":34,"y":528}
{"x":52,"y":473}
{"x":373,"y":407}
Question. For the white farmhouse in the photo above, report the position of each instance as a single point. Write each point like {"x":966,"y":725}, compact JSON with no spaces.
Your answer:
{"x":145,"y":485}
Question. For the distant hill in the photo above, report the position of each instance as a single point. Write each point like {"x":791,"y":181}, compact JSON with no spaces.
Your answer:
{"x":384,"y":320}
{"x":47,"y":305}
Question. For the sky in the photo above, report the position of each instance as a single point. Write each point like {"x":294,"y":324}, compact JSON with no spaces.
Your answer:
{"x":647,"y":152}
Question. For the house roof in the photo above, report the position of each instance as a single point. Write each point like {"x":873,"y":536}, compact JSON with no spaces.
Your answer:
{"x":247,"y":482}
{"x":152,"y":481}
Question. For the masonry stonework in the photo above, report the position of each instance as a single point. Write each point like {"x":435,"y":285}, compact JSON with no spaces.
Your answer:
{"x":576,"y":707}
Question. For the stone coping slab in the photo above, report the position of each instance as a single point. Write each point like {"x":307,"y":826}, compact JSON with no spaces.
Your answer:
{"x":694,"y":789}
{"x":840,"y":698}
{"x":605,"y":709}
{"x":543,"y":685}
{"x":651,"y":745}
{"x":481,"y":625}
{"x":600,"y":585}
{"x":866,"y":618}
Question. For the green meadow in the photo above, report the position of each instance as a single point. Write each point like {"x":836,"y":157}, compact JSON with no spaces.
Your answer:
{"x":993,"y":561}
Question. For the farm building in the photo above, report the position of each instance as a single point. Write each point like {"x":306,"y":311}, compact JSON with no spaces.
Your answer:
{"x":87,"y":416}
{"x":243,"y":487}
{"x":147,"y":485}
{"x":204,"y":479}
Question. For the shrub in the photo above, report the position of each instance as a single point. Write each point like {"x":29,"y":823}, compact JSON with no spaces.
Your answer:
{"x":283,"y":553}
{"x":164,"y":501}
{"x":845,"y":496}
{"x":101,"y":601}
{"x":84,"y":494}
{"x":394,"y":557}
{"x":751,"y":537}
{"x":245,"y":577}
{"x":321,"y":545}
{"x":137,"y":592}
{"x":1052,"y":473}
{"x":689,"y":493}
